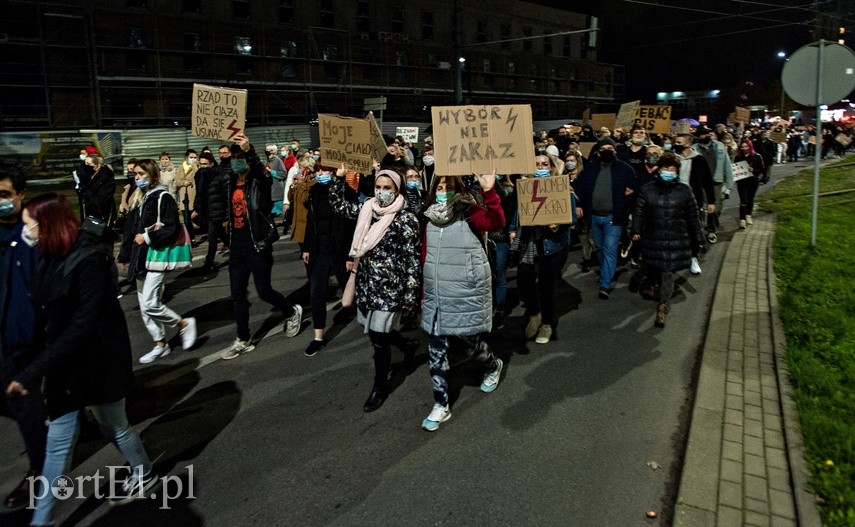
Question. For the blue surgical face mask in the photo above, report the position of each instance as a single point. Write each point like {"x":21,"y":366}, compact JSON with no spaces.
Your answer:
{"x":570,"y":166}
{"x":239,"y":165}
{"x":499,"y":177}
{"x":542,"y":172}
{"x":667,"y":175}
{"x":413,"y":185}
{"x":142,"y":183}
{"x":444,"y":197}
{"x":668,"y":146}
{"x":7,"y":208}
{"x":323,"y":179}
{"x":316,"y":158}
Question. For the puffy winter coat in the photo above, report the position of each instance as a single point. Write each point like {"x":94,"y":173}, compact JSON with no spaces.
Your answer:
{"x":212,"y":194}
{"x":666,"y":216}
{"x":389,"y":275}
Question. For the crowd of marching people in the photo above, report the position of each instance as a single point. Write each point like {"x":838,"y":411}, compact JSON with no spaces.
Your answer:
{"x":406,"y":246}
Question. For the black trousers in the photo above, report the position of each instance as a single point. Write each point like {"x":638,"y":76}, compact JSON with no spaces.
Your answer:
{"x":747,"y":189}
{"x":29,"y":412}
{"x":321,"y":266}
{"x":243,"y":263}
{"x":216,"y":233}
{"x":538,"y":281}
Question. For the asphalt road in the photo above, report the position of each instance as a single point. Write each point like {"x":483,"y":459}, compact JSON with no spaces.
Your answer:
{"x":587,"y":430}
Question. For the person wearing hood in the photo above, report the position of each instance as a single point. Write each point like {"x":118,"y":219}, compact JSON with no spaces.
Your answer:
{"x":605,"y":190}
{"x":695,"y":172}
{"x":665,"y":221}
{"x":747,"y":187}
{"x":154,"y":215}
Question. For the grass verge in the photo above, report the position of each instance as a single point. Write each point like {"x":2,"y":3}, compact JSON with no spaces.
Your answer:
{"x":816,"y":288}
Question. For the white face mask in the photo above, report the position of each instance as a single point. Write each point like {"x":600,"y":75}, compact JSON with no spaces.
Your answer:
{"x":83,"y":157}
{"x":27,"y":236}
{"x":427,"y":160}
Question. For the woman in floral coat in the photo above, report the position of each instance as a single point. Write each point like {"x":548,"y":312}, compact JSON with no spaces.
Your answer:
{"x":386,"y":252}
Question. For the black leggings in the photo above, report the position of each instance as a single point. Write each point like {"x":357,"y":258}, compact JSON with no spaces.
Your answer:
{"x":747,"y":189}
{"x":538,"y":281}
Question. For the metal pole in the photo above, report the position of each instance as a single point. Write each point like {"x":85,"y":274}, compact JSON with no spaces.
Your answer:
{"x":782,"y":103}
{"x":818,"y":150}
{"x":458,"y":74}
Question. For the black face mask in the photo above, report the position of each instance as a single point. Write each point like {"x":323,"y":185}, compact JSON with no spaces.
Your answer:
{"x":88,"y":170}
{"x":705,"y":140}
{"x":225,"y":161}
{"x":607,"y":156}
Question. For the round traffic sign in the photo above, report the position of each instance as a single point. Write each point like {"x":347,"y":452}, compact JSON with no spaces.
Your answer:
{"x":838,"y":74}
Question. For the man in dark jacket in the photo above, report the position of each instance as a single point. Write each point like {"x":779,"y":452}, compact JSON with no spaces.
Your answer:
{"x":253,"y":235}
{"x":605,"y":190}
{"x":211,"y":204}
{"x":17,"y":326}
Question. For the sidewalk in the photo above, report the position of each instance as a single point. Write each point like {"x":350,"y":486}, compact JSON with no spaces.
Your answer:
{"x":744,"y":461}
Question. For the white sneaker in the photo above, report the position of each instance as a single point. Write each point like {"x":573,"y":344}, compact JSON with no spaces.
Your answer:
{"x":238,"y":347}
{"x":188,"y":334}
{"x":156,"y":353}
{"x":438,"y":415}
{"x":742,"y":224}
{"x":749,"y":220}
{"x":695,"y":267}
{"x":292,"y":325}
{"x":544,"y":334}
{"x":491,"y":380}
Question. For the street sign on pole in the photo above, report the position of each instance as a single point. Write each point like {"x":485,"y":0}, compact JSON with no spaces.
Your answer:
{"x":374,"y":104}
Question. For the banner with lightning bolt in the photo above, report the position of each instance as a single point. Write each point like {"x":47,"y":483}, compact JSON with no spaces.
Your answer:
{"x":544,"y":200}
{"x":218,"y":113}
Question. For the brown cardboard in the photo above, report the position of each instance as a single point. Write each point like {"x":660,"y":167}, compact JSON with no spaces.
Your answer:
{"x":217,"y":113}
{"x":586,"y":116}
{"x":345,"y":140}
{"x":654,"y":119}
{"x":599,"y":120}
{"x":778,"y":137}
{"x":378,"y":144}
{"x":743,"y":115}
{"x":626,"y":115}
{"x":585,"y":148}
{"x":483,"y":139}
{"x":682,"y":128}
{"x":544,"y":200}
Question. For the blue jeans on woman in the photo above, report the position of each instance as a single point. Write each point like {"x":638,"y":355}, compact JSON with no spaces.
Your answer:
{"x":607,"y":239}
{"x":62,"y":435}
{"x":501,"y":292}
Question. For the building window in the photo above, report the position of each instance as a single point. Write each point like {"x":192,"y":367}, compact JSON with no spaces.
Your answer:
{"x":568,"y":46}
{"x":482,"y":31}
{"x":330,"y":52}
{"x":432,"y":61}
{"x":512,"y":68}
{"x":327,"y":13}
{"x":369,"y":70}
{"x":286,"y":11}
{"x":527,"y":43}
{"x":243,"y":46}
{"x":401,"y":63}
{"x":397,"y":18}
{"x":553,"y":72}
{"x":363,"y":16}
{"x":505,"y":34}
{"x":488,"y":67}
{"x":532,"y":70}
{"x":192,"y":43}
{"x":136,"y":60}
{"x":547,"y":45}
{"x":243,"y":65}
{"x":288,"y":49}
{"x":136,"y":3}
{"x":191,"y":6}
{"x":137,"y":38}
{"x":427,"y":25}
{"x":241,"y":9}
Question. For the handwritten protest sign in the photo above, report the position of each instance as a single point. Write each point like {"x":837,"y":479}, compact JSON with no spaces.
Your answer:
{"x":218,"y":113}
{"x":626,"y":115}
{"x":778,"y":137}
{"x":585,"y":148}
{"x":682,"y":128}
{"x":740,"y":170}
{"x":378,"y":144}
{"x":544,"y":200}
{"x":409,"y":133}
{"x":345,"y":140}
{"x":654,"y":119}
{"x":743,"y":115}
{"x":481,"y":139}
{"x":599,"y":120}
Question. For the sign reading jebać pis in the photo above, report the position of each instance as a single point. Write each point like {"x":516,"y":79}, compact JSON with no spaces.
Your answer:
{"x":218,"y":113}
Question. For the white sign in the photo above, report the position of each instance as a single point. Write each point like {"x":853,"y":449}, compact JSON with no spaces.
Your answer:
{"x":409,"y":133}
{"x":741,"y":170}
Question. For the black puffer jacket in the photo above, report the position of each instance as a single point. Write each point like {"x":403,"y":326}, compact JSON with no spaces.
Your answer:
{"x":666,"y":217}
{"x":98,"y":195}
{"x":212,"y":194}
{"x":143,"y":217}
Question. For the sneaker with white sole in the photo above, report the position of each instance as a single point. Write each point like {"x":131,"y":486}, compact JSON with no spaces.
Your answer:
{"x":438,"y":415}
{"x":695,"y":268}
{"x":749,"y":220}
{"x":544,"y":334}
{"x":238,"y":348}
{"x":156,"y":353}
{"x":292,"y":325}
{"x":491,"y":380}
{"x":533,"y":325}
{"x":712,"y":238}
{"x":188,"y":334}
{"x":742,"y":224}
{"x":134,"y":488}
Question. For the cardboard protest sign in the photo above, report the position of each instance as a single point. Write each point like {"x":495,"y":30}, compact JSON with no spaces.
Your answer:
{"x":843,"y":139}
{"x":626,"y":115}
{"x":682,"y":128}
{"x":378,"y":144}
{"x":778,"y":137}
{"x":345,"y":140}
{"x":409,"y":133}
{"x":585,"y":148}
{"x":654,"y":119}
{"x":743,"y":115}
{"x":586,"y":116}
{"x":481,"y":139}
{"x":740,"y":170}
{"x":217,"y":113}
{"x":599,"y":120}
{"x":544,"y":200}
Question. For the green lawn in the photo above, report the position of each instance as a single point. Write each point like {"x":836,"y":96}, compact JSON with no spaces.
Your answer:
{"x":817,"y":298}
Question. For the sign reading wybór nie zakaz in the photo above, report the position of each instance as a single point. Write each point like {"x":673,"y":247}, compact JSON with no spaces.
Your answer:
{"x":218,"y":113}
{"x":483,"y":139}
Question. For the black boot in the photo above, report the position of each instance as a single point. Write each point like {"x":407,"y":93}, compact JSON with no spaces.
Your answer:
{"x":376,"y":398}
{"x":382,"y":367}
{"x":20,"y":497}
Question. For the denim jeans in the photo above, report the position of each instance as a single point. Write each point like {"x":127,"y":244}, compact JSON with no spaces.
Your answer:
{"x":607,"y":239}
{"x":501,"y":292}
{"x":62,"y":435}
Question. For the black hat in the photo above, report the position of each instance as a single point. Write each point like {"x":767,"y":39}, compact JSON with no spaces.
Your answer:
{"x":602,"y":142}
{"x":702,"y":130}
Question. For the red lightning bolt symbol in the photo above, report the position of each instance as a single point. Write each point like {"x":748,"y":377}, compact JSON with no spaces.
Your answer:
{"x":541,"y":200}
{"x":234,"y":130}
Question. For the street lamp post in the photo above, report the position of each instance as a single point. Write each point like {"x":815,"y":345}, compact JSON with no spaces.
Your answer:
{"x":782,"y":55}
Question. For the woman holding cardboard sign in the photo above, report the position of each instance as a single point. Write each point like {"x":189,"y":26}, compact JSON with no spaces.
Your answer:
{"x":543,"y":253}
{"x":747,"y":187}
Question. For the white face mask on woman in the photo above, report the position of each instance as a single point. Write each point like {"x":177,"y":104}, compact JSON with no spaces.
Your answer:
{"x":27,"y":236}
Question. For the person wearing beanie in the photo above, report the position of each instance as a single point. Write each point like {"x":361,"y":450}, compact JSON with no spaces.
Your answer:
{"x":605,"y":189}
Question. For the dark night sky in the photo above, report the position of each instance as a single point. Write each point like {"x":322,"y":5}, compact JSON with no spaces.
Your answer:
{"x":686,"y":45}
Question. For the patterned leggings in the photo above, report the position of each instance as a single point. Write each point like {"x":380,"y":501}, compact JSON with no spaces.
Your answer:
{"x":438,"y":361}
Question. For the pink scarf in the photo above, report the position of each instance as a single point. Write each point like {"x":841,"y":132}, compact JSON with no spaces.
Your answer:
{"x":368,"y":235}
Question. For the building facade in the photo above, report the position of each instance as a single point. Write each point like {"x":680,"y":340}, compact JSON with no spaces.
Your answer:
{"x":132,"y":63}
